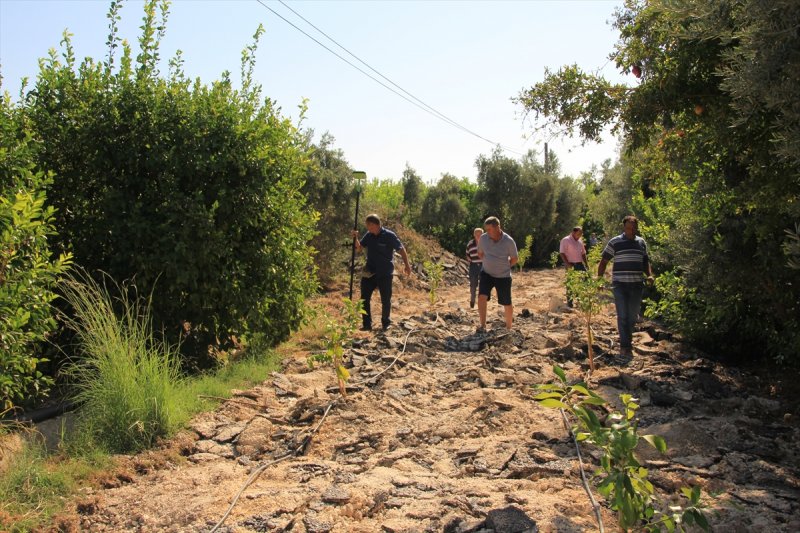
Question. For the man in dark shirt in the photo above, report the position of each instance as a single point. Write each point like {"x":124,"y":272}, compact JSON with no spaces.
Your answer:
{"x":381,"y":244}
{"x":631,"y":262}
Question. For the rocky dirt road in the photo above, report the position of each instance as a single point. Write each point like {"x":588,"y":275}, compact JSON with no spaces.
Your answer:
{"x":448,"y":439}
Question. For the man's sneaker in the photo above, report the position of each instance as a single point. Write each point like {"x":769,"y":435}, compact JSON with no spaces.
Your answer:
{"x":387,"y":327}
{"x":480,"y":331}
{"x":365,"y":328}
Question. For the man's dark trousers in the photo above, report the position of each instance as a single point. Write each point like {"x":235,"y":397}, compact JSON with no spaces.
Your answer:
{"x":384,"y":286}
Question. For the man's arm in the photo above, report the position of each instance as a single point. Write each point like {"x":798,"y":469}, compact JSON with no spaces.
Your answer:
{"x":404,"y":255}
{"x":601,"y":267}
{"x":513,"y":261}
{"x":564,"y":259}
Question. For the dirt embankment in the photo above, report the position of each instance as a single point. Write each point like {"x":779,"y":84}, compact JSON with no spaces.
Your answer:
{"x":448,"y":439}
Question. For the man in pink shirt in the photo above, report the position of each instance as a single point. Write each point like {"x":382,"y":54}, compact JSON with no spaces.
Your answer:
{"x":573,"y":253}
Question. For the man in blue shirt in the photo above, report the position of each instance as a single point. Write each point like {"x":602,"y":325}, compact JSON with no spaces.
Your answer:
{"x":631,"y":263}
{"x":381,"y":244}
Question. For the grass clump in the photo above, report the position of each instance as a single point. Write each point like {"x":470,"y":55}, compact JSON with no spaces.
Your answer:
{"x":127,"y":382}
{"x":35,"y":485}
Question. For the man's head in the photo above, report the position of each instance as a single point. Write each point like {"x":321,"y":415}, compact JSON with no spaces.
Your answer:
{"x":476,"y":233}
{"x":630,"y":224}
{"x":492,"y":225}
{"x":373,"y":224}
{"x":577,"y":232}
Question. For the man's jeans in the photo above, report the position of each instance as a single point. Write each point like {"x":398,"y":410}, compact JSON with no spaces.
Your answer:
{"x":628,"y":300}
{"x":384,"y":286}
{"x":474,"y":278}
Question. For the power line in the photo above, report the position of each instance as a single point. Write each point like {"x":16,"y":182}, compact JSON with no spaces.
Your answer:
{"x":334,"y":41}
{"x":421,"y":105}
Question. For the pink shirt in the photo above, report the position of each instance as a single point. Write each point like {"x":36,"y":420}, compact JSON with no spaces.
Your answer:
{"x":573,"y":249}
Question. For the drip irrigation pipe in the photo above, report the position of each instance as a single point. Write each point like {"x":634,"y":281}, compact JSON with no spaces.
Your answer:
{"x":595,"y":505}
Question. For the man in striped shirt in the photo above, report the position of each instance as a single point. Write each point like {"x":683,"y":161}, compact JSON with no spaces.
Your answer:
{"x":631,"y":263}
{"x":475,"y":264}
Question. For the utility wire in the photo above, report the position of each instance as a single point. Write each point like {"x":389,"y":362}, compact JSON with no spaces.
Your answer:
{"x":334,"y":41}
{"x":421,"y":105}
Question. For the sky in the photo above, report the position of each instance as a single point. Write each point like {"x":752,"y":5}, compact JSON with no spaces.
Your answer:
{"x":465,"y":59}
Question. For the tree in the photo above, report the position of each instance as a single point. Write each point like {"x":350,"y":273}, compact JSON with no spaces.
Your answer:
{"x":28,"y":272}
{"x":328,"y":188}
{"x":192,"y":190}
{"x":529,"y":199}
{"x":413,"y":192}
{"x":711,"y":129}
{"x":444,"y":214}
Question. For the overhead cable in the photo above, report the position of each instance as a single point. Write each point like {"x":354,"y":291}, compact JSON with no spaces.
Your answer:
{"x":412,"y":100}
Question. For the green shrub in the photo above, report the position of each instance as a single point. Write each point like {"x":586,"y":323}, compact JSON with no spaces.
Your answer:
{"x":127,"y":382}
{"x":524,"y":253}
{"x":586,"y":291}
{"x":623,"y":481}
{"x":194,"y":190}
{"x":435,"y":272}
{"x":27,"y":271}
{"x":338,"y":335}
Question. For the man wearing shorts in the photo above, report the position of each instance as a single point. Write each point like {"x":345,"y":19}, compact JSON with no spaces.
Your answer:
{"x":499,"y":254}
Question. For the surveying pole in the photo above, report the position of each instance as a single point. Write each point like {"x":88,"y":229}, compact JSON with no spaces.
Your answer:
{"x":360,"y":177}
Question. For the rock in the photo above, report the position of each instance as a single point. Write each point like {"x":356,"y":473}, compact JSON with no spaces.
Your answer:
{"x":631,"y":381}
{"x":210,"y":446}
{"x":255,"y":438}
{"x":760,"y":406}
{"x":314,"y":525}
{"x":696,"y":461}
{"x":683,"y":395}
{"x":662,"y":399}
{"x":205,"y":429}
{"x":228,"y":433}
{"x":336,"y":494}
{"x":203,"y":457}
{"x":394,"y":503}
{"x":642,"y":337}
{"x":468,"y":450}
{"x":510,"y":519}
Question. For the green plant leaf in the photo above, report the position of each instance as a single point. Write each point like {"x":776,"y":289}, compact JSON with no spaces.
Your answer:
{"x":657,"y":442}
{"x":545,"y":395}
{"x":558,"y":371}
{"x":701,"y":520}
{"x":552,"y":403}
{"x":342,"y":373}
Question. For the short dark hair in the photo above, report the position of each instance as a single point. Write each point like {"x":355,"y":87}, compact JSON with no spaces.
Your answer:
{"x":630,"y":218}
{"x":577,"y":228}
{"x":373,"y":219}
{"x":491,"y":221}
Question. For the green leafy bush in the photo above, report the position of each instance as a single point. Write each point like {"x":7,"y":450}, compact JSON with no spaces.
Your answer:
{"x":622,"y":479}
{"x":28,"y":273}
{"x":435,"y":272}
{"x":192,"y":190}
{"x":338,"y":335}
{"x":524,"y":253}
{"x":586,"y":290}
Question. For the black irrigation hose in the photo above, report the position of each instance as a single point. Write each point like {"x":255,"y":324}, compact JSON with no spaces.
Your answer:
{"x":40,"y":415}
{"x":595,"y":505}
{"x":301,"y":448}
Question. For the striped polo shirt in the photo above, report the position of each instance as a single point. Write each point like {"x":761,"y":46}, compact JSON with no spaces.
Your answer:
{"x":630,"y":258}
{"x":472,"y":252}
